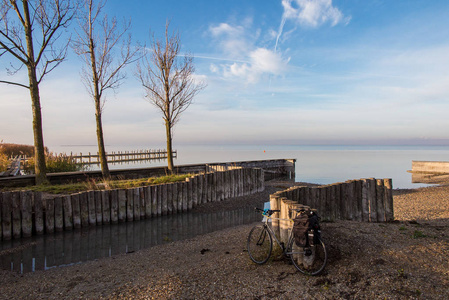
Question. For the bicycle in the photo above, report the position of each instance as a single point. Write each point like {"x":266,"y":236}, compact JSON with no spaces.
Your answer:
{"x":309,"y":259}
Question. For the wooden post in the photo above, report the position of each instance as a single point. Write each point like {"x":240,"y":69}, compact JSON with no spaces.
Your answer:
{"x":285,"y":214}
{"x":76,"y":210}
{"x":15,"y":209}
{"x":136,"y":207}
{"x":6,"y":216}
{"x":371,"y":189}
{"x":26,"y":210}
{"x":84,"y":209}
{"x":113,"y":194}
{"x":325,"y":198}
{"x":169,"y":198}
{"x":92,"y":208}
{"x":275,"y":205}
{"x":358,"y":200}
{"x":313,"y":201}
{"x":261,"y":180}
{"x":180,"y":186}
{"x":219,"y":185}
{"x":200,"y":183}
{"x":380,"y":200}
{"x":142,"y":203}
{"x":129,"y":205}
{"x":174,"y":195}
{"x":389,"y":211}
{"x":347,"y":197}
{"x":50,"y":215}
{"x":365,"y":201}
{"x":154,"y":192}
{"x":38,"y":213}
{"x":164,"y":199}
{"x":122,"y":205}
{"x":68,"y":214}
{"x":210,"y":186}
{"x":194,"y":191}
{"x":59,"y":222}
{"x":98,"y":207}
{"x":189,"y":193}
{"x":148,"y":202}
{"x":227,"y":184}
{"x":185,"y":192}
{"x":230,"y":181}
{"x":159,"y":200}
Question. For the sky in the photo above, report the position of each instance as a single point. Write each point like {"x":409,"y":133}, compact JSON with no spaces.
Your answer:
{"x":278,"y":72}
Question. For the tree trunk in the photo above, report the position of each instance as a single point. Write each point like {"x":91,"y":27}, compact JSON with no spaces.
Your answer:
{"x":39,"y":149}
{"x":169,"y":146}
{"x":100,"y":140}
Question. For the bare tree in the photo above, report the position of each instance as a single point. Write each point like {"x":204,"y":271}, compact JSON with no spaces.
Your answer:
{"x":169,"y":82}
{"x":98,"y":39}
{"x":29,"y":31}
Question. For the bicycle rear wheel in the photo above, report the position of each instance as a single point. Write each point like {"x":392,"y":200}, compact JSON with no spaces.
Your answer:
{"x":309,"y":260}
{"x":260,"y":244}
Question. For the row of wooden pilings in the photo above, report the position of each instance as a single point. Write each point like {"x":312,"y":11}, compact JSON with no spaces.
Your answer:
{"x":27,"y":213}
{"x":367,"y":200}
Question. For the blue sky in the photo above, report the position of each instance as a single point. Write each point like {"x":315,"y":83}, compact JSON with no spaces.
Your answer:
{"x":295,"y":72}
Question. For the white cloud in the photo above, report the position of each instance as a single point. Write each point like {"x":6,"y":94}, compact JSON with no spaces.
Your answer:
{"x":233,"y":40}
{"x":250,"y":63}
{"x":313,"y":13}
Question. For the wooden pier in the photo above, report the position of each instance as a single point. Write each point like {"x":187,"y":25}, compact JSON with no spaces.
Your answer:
{"x":120,"y":156}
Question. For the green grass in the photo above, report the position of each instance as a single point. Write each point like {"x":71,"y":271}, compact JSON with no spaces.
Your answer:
{"x":418,"y":234}
{"x":103,"y":184}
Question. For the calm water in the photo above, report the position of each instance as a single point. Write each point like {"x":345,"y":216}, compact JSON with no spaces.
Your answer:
{"x":78,"y":246}
{"x":316,"y":164}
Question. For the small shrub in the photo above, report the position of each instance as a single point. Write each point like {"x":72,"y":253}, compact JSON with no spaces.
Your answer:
{"x":55,"y":164}
{"x":418,"y":234}
{"x":4,"y":162}
{"x":17,"y":149}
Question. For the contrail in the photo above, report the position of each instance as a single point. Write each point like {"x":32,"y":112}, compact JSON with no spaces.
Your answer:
{"x":281,"y":28}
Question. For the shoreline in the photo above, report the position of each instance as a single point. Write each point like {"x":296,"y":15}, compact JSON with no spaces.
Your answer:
{"x":408,"y":258}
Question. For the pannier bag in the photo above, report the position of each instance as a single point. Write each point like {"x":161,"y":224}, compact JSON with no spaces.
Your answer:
{"x":300,"y":227}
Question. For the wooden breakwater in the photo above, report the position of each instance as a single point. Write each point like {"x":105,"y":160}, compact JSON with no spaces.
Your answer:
{"x":434,"y":167}
{"x":367,"y":200}
{"x":26,"y":213}
{"x":273,"y":168}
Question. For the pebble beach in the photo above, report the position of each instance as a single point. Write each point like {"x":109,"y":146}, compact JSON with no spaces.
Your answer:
{"x":404,"y":259}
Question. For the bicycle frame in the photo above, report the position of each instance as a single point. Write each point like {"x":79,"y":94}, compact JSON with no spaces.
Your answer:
{"x":268,"y":227}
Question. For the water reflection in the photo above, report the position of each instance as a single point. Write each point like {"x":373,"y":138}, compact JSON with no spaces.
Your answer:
{"x":68,"y":248}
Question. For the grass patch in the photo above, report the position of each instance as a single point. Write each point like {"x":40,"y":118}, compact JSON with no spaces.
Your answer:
{"x":103,"y":184}
{"x":418,"y":234}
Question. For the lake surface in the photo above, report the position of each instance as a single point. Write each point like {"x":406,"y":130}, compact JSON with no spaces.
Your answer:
{"x":315,"y":164}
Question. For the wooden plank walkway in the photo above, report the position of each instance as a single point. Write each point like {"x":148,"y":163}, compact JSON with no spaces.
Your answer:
{"x":14,"y":168}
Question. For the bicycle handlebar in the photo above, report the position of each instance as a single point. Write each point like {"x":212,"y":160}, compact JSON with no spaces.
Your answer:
{"x":268,"y":212}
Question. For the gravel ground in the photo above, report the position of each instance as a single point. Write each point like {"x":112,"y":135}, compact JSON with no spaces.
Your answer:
{"x":405,"y":259}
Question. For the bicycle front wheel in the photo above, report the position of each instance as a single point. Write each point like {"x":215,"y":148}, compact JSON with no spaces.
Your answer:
{"x":309,"y":260}
{"x":260,"y":244}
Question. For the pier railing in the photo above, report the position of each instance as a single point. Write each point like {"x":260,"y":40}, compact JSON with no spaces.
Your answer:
{"x":120,"y":156}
